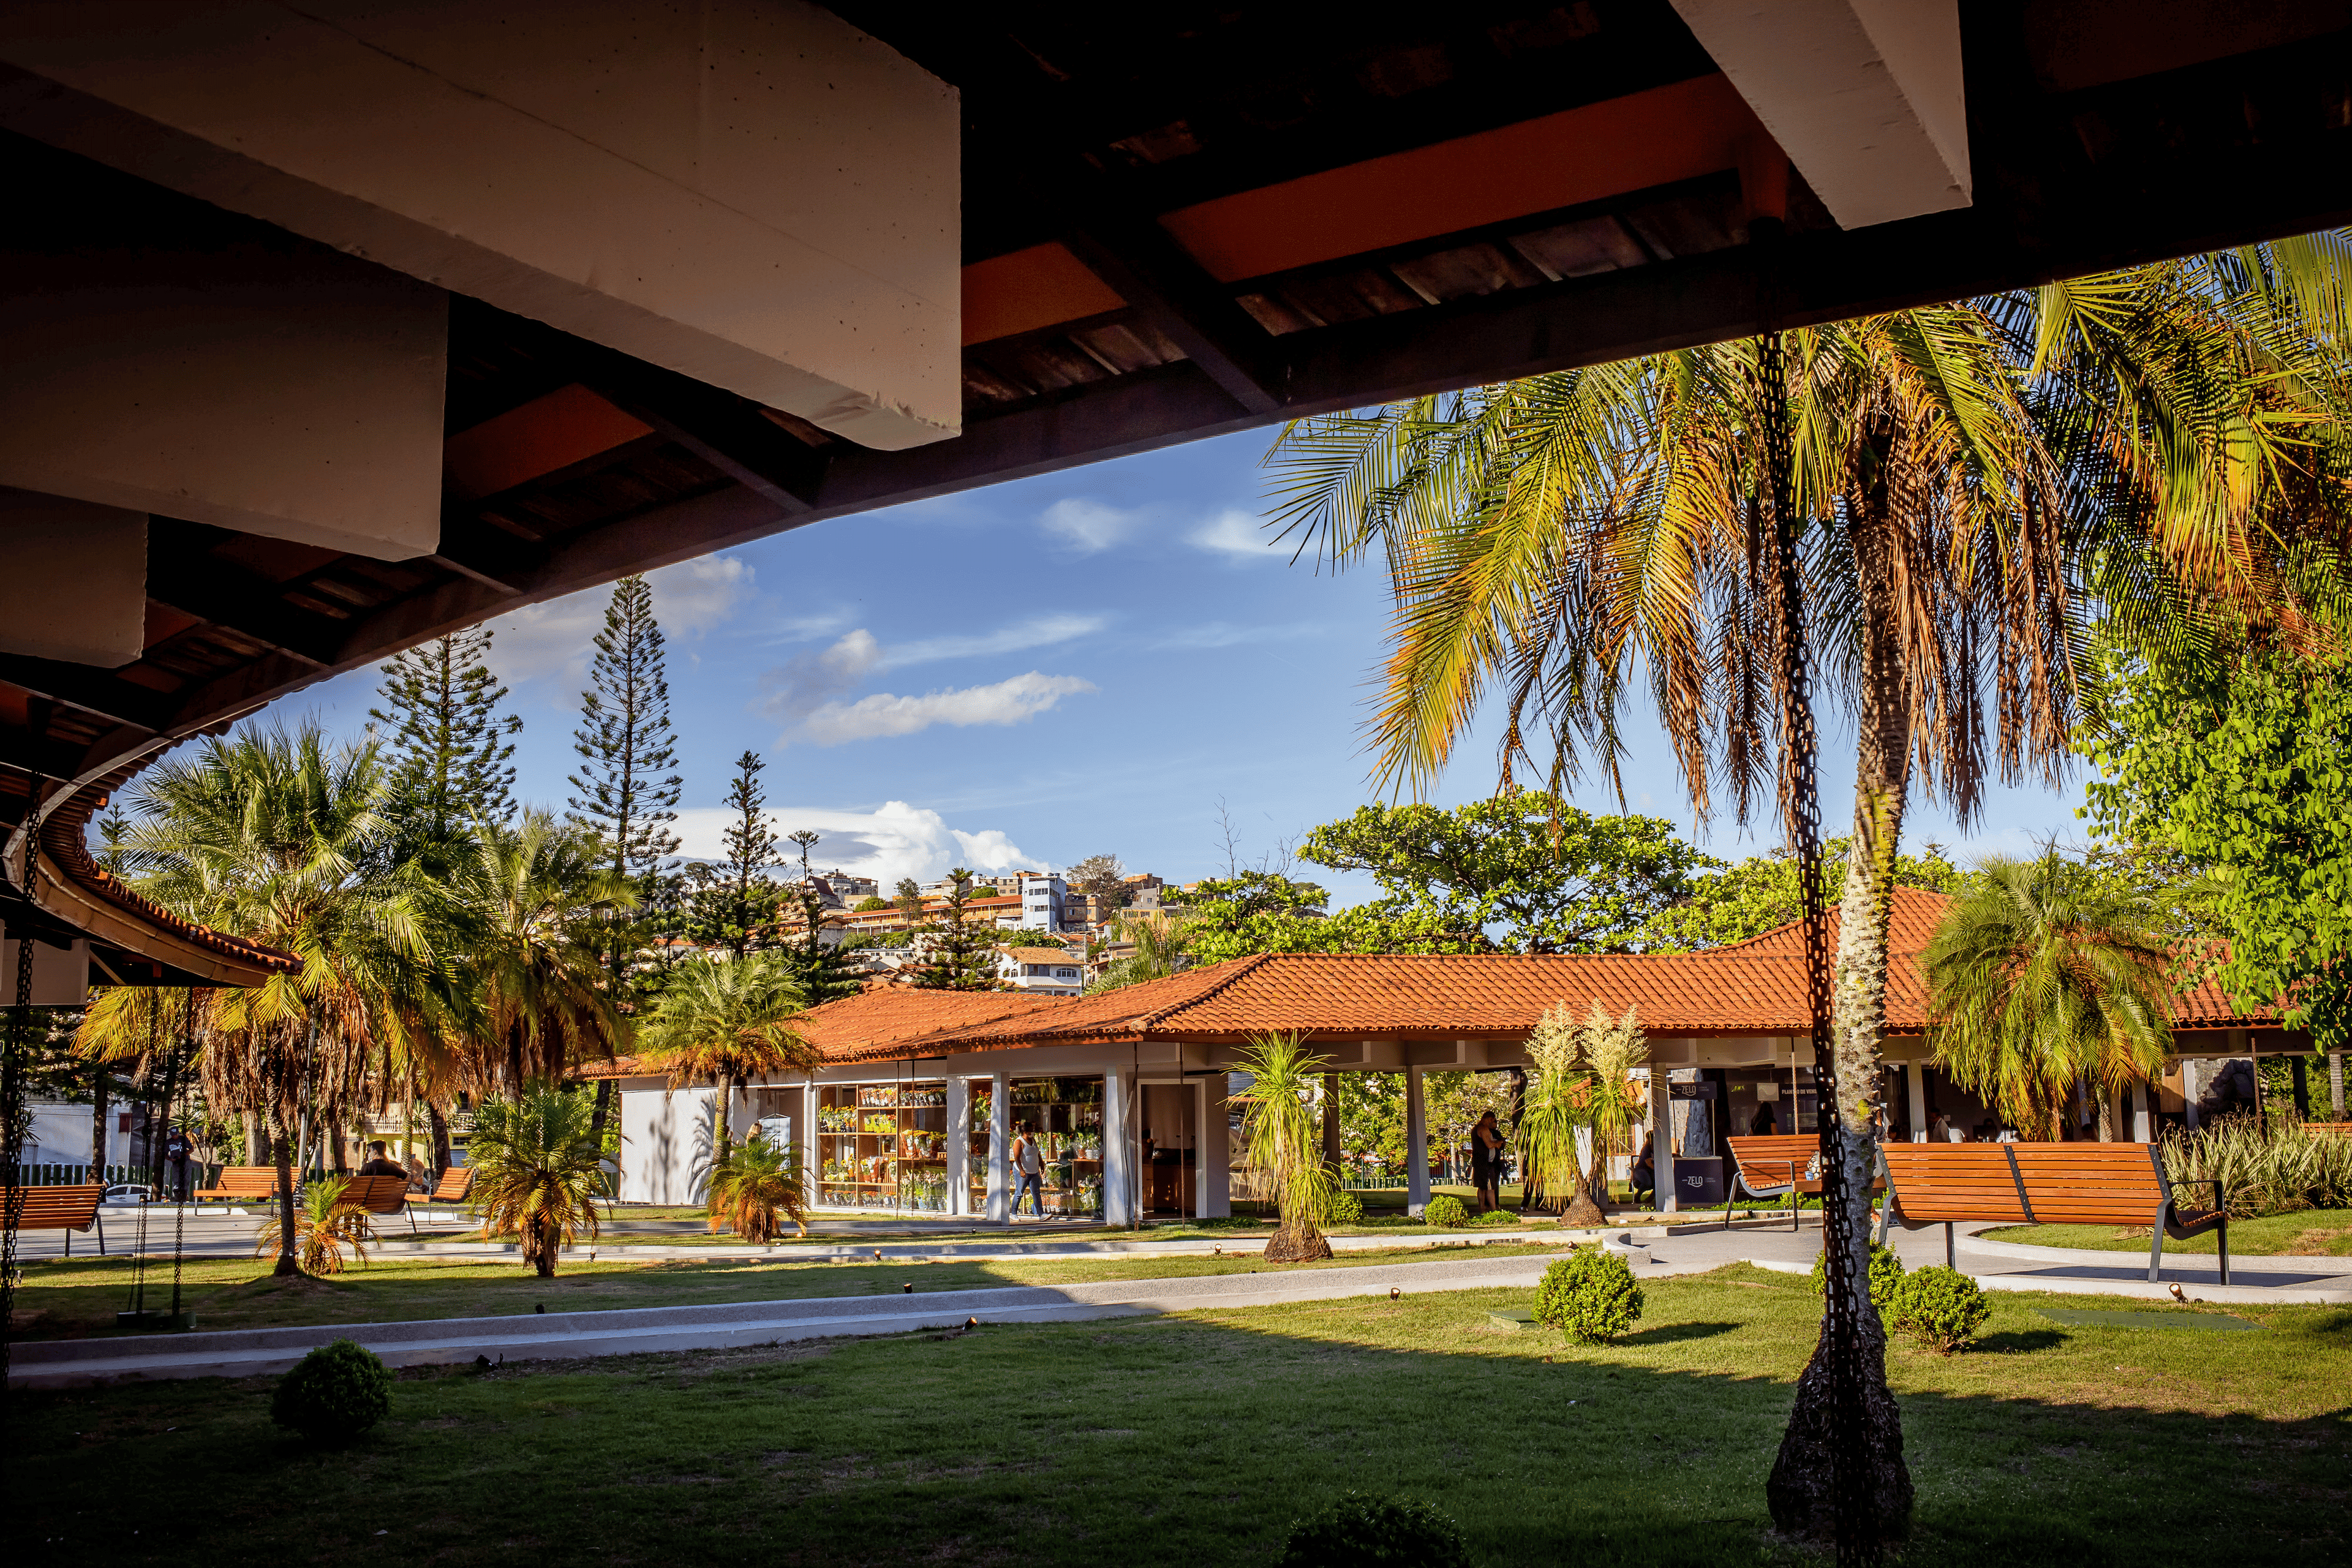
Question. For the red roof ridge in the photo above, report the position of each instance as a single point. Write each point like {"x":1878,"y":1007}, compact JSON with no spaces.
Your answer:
{"x":1234,"y":971}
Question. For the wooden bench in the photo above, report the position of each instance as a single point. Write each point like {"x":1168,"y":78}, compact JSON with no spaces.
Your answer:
{"x":455,"y":1183}
{"x":378,"y":1195}
{"x":2046,"y":1183}
{"x":1773,"y":1165}
{"x":2337,"y":1129}
{"x":68,"y":1209}
{"x":242,"y":1184}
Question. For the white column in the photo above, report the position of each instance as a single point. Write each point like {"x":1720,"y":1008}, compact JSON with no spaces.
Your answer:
{"x":1416,"y":1144}
{"x":1215,"y":1151}
{"x":1916,"y":1073}
{"x":2188,"y":1090}
{"x":959,"y":1145}
{"x":2335,"y":1085}
{"x":2143,"y":1113}
{"x":1000,"y":1150}
{"x":1662,"y":1140}
{"x":805,"y":1135}
{"x":1119,"y":1136}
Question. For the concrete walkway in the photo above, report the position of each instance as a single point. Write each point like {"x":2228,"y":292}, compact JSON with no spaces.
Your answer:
{"x":1653,"y":1253}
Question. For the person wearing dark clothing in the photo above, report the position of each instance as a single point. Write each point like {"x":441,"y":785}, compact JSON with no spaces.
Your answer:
{"x":1486,"y":1163}
{"x":379,"y":1165}
{"x":1764,"y":1125}
{"x":1643,"y":1177}
{"x":177,"y":1150}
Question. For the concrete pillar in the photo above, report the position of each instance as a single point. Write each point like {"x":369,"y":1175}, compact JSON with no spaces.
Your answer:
{"x":2188,"y":1091}
{"x":959,"y":1145}
{"x":2335,"y":1085}
{"x":1416,"y":1144}
{"x":1331,"y":1119}
{"x":1916,"y":1075}
{"x":2143,"y":1107}
{"x":1215,"y":1151}
{"x":1662,"y":1141}
{"x":1000,"y":1150}
{"x":1120,"y":1132}
{"x":804,"y":1136}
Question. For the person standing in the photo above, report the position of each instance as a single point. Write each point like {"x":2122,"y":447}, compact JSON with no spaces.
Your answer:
{"x":1486,"y":1162}
{"x":177,"y":1150}
{"x":1029,"y":1166}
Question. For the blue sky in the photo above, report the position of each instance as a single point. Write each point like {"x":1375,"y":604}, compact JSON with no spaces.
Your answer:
{"x":1084,"y":663}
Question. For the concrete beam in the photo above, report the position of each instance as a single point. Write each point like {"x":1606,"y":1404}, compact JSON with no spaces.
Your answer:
{"x":277,"y":389}
{"x":1865,"y":96}
{"x":751,"y":193}
{"x":76,"y":587}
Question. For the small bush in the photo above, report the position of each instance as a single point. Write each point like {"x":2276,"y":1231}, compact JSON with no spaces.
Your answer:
{"x":334,"y":1393}
{"x":1360,"y":1531}
{"x":1941,"y":1308}
{"x":1495,"y":1218}
{"x":1447,"y":1211}
{"x":1347,"y":1208}
{"x":1589,"y":1296}
{"x":1886,"y":1275}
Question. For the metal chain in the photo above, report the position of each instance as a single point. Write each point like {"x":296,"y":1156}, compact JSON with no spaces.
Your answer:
{"x":13,"y":1118}
{"x":1856,"y":1532}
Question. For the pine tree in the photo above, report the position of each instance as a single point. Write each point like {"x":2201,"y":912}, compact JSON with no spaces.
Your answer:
{"x":442,"y":726}
{"x":823,"y":968}
{"x":958,"y":956}
{"x":736,"y":907}
{"x":625,"y":792}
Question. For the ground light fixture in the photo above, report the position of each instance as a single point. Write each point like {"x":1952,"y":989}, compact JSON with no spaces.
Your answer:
{"x":908,"y":1289}
{"x":1393,"y":1292}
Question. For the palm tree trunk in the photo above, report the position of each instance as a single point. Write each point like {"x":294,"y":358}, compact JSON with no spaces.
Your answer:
{"x":281,"y":1150}
{"x":439,"y":1124}
{"x":97,"y":1109}
{"x":1799,"y":1490}
{"x":724,"y":1139}
{"x":2103,"y":1100}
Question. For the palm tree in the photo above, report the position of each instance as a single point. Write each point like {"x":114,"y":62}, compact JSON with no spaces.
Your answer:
{"x":1582,"y":1081}
{"x":1162,"y":942}
{"x":545,"y":998}
{"x":760,"y":1180}
{"x":323,"y":1225}
{"x":2041,"y":975}
{"x":727,"y":1019}
{"x":280,"y":838}
{"x":1281,"y":1133}
{"x":537,"y":1169}
{"x":1953,"y":478}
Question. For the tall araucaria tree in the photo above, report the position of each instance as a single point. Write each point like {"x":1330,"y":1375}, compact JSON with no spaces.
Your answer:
{"x":444,"y":734}
{"x":739,"y":906}
{"x":626,"y":791}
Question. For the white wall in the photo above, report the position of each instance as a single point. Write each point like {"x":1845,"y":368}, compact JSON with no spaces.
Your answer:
{"x":665,"y":1143}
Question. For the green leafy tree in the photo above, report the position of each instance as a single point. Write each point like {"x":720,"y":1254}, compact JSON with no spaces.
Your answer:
{"x":442,"y":732}
{"x":907,"y":896}
{"x":1525,"y":872}
{"x":1763,"y":893}
{"x":959,"y":955}
{"x":1101,"y":879}
{"x":2041,"y":974}
{"x":1264,"y":912}
{"x":2237,"y":766}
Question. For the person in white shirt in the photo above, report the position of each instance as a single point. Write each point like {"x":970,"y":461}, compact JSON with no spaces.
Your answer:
{"x":1029,"y":1171}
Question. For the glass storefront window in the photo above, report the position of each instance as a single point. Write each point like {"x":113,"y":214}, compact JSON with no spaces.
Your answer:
{"x":883,"y":1146}
{"x":1065,"y":1116}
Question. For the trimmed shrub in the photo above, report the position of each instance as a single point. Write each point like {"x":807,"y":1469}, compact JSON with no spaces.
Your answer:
{"x":1495,"y":1218}
{"x":1589,"y":1296}
{"x":334,"y":1393}
{"x":1886,"y":1275}
{"x":1447,"y":1211}
{"x":1941,"y":1308}
{"x":1360,"y":1531}
{"x":1346,"y":1208}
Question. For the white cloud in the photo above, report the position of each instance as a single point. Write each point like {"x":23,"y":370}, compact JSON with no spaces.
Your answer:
{"x":552,"y":638}
{"x":898,"y":840}
{"x":884,"y":713}
{"x":1089,"y":526}
{"x":1042,"y":631}
{"x":806,"y":681}
{"x":800,"y":629}
{"x":1224,"y":634}
{"x":1235,"y":532}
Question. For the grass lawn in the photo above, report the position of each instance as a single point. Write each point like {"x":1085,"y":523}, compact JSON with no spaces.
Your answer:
{"x":2314,"y":1232}
{"x":73,"y":1299}
{"x":1197,"y":1438}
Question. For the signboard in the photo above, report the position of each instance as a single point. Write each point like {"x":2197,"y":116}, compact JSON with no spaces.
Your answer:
{"x":1698,"y":1183}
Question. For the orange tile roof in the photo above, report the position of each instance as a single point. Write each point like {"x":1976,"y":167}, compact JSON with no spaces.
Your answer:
{"x":881,"y":1022}
{"x":1917,"y":913}
{"x":1041,"y":955}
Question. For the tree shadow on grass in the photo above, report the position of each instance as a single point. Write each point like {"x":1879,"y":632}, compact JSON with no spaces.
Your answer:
{"x":2019,"y":1341}
{"x":1673,"y":1333}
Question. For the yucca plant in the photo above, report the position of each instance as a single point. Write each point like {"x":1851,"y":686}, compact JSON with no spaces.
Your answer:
{"x":325,"y":1225}
{"x":2280,"y":1170}
{"x":758,"y":1183}
{"x":537,"y":1175}
{"x":1582,"y":1079}
{"x":1281,"y":1133}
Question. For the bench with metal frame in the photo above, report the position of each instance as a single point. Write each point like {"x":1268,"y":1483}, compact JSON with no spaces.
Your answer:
{"x":242,"y":1184}
{"x":378,"y":1195}
{"x":2046,"y":1183}
{"x":68,"y":1209}
{"x":1770,"y":1165}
